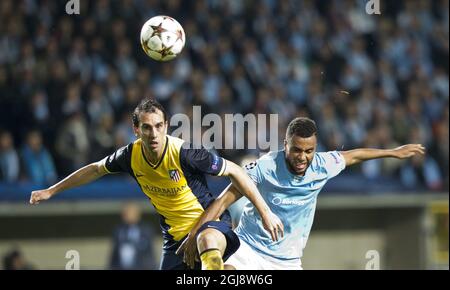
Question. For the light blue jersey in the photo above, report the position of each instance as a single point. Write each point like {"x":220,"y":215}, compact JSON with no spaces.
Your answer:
{"x":291,"y":197}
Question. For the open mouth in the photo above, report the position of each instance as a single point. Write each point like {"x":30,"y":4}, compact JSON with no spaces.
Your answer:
{"x":300,"y":166}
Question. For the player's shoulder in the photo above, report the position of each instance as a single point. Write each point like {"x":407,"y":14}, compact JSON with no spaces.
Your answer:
{"x":189,"y":152}
{"x":177,"y":142}
{"x":177,"y":147}
{"x":183,"y":145}
{"x":128,"y":148}
{"x":266,"y":161}
{"x":321,"y":158}
{"x":120,"y":160}
{"x":271,"y":157}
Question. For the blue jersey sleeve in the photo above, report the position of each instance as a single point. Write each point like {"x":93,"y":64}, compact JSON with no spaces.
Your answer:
{"x":333,"y":162}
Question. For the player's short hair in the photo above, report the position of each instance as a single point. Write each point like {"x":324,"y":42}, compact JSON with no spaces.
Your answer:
{"x":302,"y":127}
{"x":147,"y":105}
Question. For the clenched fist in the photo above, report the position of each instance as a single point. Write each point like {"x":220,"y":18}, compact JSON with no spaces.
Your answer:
{"x":40,"y":195}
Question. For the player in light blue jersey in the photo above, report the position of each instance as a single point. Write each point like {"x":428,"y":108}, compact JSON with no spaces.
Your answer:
{"x":289,"y":181}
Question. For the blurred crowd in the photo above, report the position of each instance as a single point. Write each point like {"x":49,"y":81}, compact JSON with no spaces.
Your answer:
{"x":68,"y":83}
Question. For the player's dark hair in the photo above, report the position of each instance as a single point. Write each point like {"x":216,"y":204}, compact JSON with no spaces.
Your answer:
{"x":302,"y":127}
{"x":147,"y":105}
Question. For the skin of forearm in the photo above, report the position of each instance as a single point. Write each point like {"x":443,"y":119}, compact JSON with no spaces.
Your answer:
{"x":82,"y":176}
{"x":359,"y":155}
{"x":249,"y":190}
{"x":216,"y":209}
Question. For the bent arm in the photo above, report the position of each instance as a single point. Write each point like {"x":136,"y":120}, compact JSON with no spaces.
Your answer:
{"x":359,"y":155}
{"x":218,"y":206}
{"x":246,"y":187}
{"x":241,"y":185}
{"x":82,"y":176}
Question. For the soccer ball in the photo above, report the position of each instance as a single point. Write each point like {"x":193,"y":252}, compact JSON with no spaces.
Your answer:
{"x":162,"y":38}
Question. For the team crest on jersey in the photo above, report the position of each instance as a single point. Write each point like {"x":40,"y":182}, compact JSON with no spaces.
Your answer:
{"x":174,"y":175}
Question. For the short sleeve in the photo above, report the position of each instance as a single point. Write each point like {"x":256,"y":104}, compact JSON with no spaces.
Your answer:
{"x":119,"y":161}
{"x":203,"y":161}
{"x":253,"y":171}
{"x":333,"y":162}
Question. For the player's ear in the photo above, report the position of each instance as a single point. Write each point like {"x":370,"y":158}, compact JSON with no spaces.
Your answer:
{"x":136,"y":131}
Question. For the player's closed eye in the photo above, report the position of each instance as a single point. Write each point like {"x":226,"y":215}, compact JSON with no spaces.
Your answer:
{"x":297,"y":150}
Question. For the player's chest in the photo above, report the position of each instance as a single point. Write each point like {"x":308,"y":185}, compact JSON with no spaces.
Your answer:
{"x":294,"y":186}
{"x":167,"y":173}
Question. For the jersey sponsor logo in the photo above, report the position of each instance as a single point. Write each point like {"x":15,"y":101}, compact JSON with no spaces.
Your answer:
{"x":174,"y":175}
{"x":164,"y":191}
{"x":286,"y":201}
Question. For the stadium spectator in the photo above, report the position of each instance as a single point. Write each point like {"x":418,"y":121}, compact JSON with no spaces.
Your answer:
{"x":103,"y":137}
{"x":37,"y":161}
{"x":72,"y":143}
{"x":15,"y":260}
{"x":9,"y":159}
{"x":132,"y":244}
{"x":395,"y":67}
{"x":422,"y":173}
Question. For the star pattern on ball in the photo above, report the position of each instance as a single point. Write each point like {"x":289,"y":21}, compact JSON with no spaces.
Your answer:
{"x":166,"y":51}
{"x":160,"y":35}
{"x":157,"y":30}
{"x":179,"y":35}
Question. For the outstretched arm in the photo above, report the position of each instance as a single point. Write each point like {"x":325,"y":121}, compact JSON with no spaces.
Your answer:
{"x":82,"y":176}
{"x":359,"y":155}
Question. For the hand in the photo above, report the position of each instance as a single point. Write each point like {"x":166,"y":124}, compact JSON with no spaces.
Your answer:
{"x":39,"y":195}
{"x":409,"y":150}
{"x":273,"y":225}
{"x":189,"y":248}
